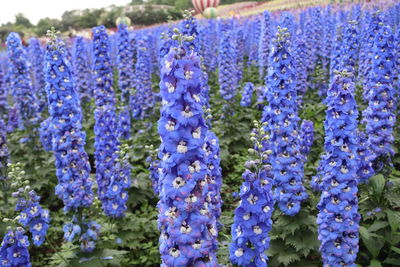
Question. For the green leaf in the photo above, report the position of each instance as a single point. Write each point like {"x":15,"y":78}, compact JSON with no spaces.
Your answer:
{"x":378,"y":183}
{"x":397,"y":250}
{"x":375,"y":263}
{"x":364,"y":232}
{"x":394,"y":219}
{"x":285,"y":257}
{"x":374,"y":243}
{"x":377,"y":226}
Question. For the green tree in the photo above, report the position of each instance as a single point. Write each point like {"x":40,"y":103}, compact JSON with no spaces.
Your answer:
{"x":21,"y":20}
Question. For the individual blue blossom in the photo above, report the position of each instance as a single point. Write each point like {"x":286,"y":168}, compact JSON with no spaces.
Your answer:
{"x":338,"y":217}
{"x":247,"y":94}
{"x":227,"y":78}
{"x":186,"y":217}
{"x":72,"y":164}
{"x":45,"y":134}
{"x":142,"y":99}
{"x":81,"y":69}
{"x":253,"y":217}
{"x":379,"y":116}
{"x":282,"y":119}
{"x":264,"y":44}
{"x":365,"y":156}
{"x":4,"y":154}
{"x":306,"y":137}
{"x":14,"y":249}
{"x":105,"y":128}
{"x":124,"y":62}
{"x":36,"y":57}
{"x":124,"y":124}
{"x":20,"y":81}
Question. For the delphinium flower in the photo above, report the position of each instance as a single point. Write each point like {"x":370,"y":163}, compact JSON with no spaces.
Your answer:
{"x":87,"y":237}
{"x":105,"y":127}
{"x":166,"y":42}
{"x":349,"y":48}
{"x":247,"y":94}
{"x":214,"y":175}
{"x":45,"y":134}
{"x":300,"y":61}
{"x":154,"y":168}
{"x":142,"y":99}
{"x":338,"y":217}
{"x":373,"y":24}
{"x":264,"y":43}
{"x":4,"y":154}
{"x":365,"y":156}
{"x":124,"y":62}
{"x":31,"y":214}
{"x":3,"y":94}
{"x":318,"y":30}
{"x":397,"y":57}
{"x":336,"y":52}
{"x":81,"y":69}
{"x":124,"y":124}
{"x":188,"y":26}
{"x":14,"y":119}
{"x":116,"y":195}
{"x":328,"y":35}
{"x":72,"y":164}
{"x":227,"y":61}
{"x":306,"y":137}
{"x":288,"y":20}
{"x":186,"y":218}
{"x":379,"y":116}
{"x":252,"y":220}
{"x":239,"y":51}
{"x":282,"y":119}
{"x":14,"y":249}
{"x":20,"y":81}
{"x":309,"y":38}
{"x":254,"y":41}
{"x":36,"y":58}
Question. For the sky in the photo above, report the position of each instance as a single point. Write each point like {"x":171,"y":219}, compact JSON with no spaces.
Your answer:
{"x":34,"y":10}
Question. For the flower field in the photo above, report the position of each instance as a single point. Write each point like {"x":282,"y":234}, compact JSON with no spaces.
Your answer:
{"x":266,"y":140}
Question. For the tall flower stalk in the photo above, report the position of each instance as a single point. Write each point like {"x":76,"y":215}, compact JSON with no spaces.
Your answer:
{"x":186,"y":217}
{"x":20,"y":81}
{"x":338,"y":215}
{"x":252,"y":221}
{"x":282,"y":119}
